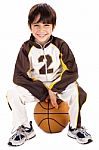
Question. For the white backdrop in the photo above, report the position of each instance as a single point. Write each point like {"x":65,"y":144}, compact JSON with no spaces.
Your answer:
{"x":78,"y":25}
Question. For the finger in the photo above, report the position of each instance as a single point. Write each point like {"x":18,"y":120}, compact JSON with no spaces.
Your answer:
{"x":55,"y":105}
{"x":46,"y":100}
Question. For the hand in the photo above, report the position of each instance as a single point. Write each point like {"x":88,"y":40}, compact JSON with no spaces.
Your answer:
{"x":53,"y":99}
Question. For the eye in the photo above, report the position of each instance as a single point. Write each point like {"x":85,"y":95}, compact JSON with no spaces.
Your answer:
{"x":47,"y":25}
{"x":36,"y":25}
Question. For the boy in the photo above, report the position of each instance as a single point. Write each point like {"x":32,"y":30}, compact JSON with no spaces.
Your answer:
{"x":45,"y":68}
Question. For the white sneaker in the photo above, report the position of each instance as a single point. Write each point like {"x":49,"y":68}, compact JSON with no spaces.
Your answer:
{"x":80,"y":135}
{"x":21,"y":135}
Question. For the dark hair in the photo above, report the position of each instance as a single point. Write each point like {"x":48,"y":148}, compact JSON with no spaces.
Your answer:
{"x":46,"y":12}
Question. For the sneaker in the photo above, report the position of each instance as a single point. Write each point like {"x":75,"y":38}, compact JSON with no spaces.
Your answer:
{"x":80,"y":135}
{"x":21,"y":135}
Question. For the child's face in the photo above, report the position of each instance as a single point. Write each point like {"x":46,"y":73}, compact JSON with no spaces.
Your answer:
{"x":41,"y":32}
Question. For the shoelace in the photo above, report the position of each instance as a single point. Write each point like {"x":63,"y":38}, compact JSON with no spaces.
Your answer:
{"x":21,"y":129}
{"x":83,"y":130}
{"x":18,"y":132}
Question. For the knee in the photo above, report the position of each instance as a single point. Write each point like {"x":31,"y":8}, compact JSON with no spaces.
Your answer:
{"x":11,"y":97}
{"x":9,"y":94}
{"x":82,"y":96}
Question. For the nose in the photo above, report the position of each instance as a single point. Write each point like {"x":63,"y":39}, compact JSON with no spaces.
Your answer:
{"x":41,"y":28}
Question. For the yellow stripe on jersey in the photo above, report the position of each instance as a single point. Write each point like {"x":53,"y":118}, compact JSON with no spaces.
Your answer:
{"x":64,"y":68}
{"x":52,"y":84}
{"x":63,"y":65}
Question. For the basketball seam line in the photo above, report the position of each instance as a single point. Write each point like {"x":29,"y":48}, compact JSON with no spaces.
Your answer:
{"x":51,"y":119}
{"x":50,"y":113}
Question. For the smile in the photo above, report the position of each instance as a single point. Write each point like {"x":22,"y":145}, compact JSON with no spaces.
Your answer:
{"x":41,"y":35}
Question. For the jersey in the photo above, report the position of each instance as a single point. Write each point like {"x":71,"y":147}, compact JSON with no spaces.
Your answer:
{"x":39,"y":68}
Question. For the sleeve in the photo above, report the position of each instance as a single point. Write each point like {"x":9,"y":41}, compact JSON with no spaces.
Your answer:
{"x":20,"y":77}
{"x":69,"y":69}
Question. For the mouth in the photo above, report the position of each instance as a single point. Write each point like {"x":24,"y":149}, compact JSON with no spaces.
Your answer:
{"x":41,"y":35}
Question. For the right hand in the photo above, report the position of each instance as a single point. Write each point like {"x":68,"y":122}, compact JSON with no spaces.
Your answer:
{"x":53,"y":99}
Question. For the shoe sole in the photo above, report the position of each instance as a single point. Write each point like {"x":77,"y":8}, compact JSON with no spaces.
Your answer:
{"x":89,"y":140}
{"x":10,"y":144}
{"x":71,"y":135}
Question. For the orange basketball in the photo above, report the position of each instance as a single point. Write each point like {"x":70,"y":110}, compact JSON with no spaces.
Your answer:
{"x":50,"y":119}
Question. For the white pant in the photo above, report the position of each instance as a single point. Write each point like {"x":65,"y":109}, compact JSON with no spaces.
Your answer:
{"x":19,"y":96}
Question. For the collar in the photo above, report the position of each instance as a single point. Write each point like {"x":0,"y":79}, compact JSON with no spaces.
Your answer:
{"x":32,"y":38}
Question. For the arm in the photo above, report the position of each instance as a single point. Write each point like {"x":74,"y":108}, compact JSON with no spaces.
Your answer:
{"x":36,"y":87}
{"x":69,"y":69}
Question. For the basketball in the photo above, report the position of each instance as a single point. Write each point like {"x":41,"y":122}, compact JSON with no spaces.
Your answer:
{"x":50,"y":119}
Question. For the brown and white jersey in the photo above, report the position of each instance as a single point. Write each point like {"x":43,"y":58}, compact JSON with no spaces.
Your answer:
{"x":39,"y":68}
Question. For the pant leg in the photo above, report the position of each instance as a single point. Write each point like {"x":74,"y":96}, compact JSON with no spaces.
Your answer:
{"x":82,"y":99}
{"x":17,"y":98}
{"x":71,"y":96}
